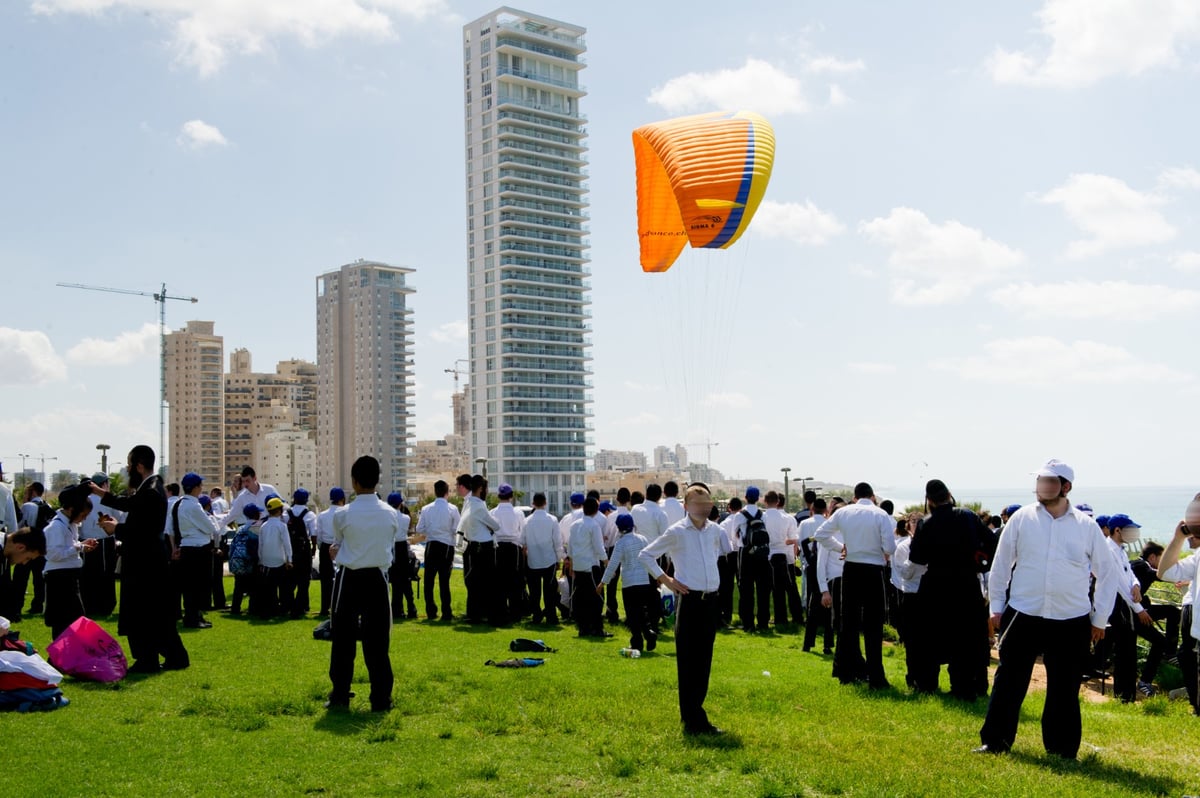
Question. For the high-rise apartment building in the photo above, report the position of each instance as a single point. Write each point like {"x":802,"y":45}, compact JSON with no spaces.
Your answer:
{"x":613,"y":460}
{"x":195,"y":358}
{"x":259,"y":403}
{"x":364,"y":372}
{"x":528,"y":398}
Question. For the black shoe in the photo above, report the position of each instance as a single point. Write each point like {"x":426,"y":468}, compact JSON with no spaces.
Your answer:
{"x":988,"y":749}
{"x":880,"y":684}
{"x":336,"y":705}
{"x":412,"y":615}
{"x":177,"y":665}
{"x":145,"y":666}
{"x":651,"y":642}
{"x":697,"y":731}
{"x":382,"y":707}
{"x":827,"y":652}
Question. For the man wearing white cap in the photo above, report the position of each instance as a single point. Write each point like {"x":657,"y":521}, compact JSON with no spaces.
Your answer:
{"x":1039,"y":596}
{"x":1173,"y":569}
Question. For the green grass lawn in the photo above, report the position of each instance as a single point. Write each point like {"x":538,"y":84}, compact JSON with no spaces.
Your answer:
{"x":246,"y":719}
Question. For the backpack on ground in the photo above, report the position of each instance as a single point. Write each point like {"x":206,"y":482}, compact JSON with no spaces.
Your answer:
{"x":298,"y":531}
{"x":525,"y":644}
{"x":243,"y":552}
{"x":755,"y":538}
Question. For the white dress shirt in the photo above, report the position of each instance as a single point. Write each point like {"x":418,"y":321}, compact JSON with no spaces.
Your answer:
{"x":585,"y":544}
{"x":693,"y":551}
{"x":1043,"y":565}
{"x":567,"y":521}
{"x":543,"y":540}
{"x":195,"y":526}
{"x":244,"y":497}
{"x":220,"y":507}
{"x":906,"y":574}
{"x":8,"y":509}
{"x":310,"y":518}
{"x":364,"y":530}
{"x":1188,"y":570}
{"x":274,"y":543}
{"x":477,"y":524}
{"x":673,"y":509}
{"x":738,"y":529}
{"x":649,"y":519}
{"x":829,"y":561}
{"x":29,"y":512}
{"x":869,"y":532}
{"x":325,"y":525}
{"x":63,"y":549}
{"x":1125,"y":578}
{"x":781,"y":530}
{"x":90,"y":527}
{"x":808,"y":528}
{"x":625,"y":556}
{"x":438,"y":521}
{"x":512,"y":524}
{"x":403,"y":524}
{"x":611,"y":533}
{"x":728,"y":526}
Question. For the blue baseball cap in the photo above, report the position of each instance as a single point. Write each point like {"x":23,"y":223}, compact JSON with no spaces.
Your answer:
{"x":624,"y":522}
{"x":395,"y":498}
{"x":300,"y":496}
{"x":752,"y":494}
{"x":505,"y":491}
{"x":1121,"y":521}
{"x":252,"y":511}
{"x":1086,"y":509}
{"x":337,"y":495}
{"x":607,"y":507}
{"x":1010,"y":509}
{"x":205,"y":501}
{"x":1102,"y":520}
{"x":190,"y":481}
{"x":577,"y":499}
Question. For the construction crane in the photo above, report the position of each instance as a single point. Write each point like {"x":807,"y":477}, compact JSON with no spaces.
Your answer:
{"x":161,"y":298}
{"x":708,"y":444}
{"x":456,"y":371}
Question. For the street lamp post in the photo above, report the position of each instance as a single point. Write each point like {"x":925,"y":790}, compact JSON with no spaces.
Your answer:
{"x":482,"y":463}
{"x":103,"y":447}
{"x":804,"y":485}
{"x":785,"y":471}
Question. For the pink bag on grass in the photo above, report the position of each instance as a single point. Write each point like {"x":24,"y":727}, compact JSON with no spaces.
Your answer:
{"x":86,"y":651}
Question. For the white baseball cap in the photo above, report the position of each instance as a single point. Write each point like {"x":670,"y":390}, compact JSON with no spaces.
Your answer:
{"x":1056,"y":468}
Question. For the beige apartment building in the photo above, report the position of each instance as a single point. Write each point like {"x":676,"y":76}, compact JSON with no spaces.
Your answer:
{"x":194,"y":363}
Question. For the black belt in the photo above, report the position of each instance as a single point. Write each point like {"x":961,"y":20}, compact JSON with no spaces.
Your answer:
{"x":702,"y":594}
{"x":479,"y":543}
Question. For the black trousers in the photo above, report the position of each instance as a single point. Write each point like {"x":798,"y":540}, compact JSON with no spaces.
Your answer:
{"x":401,"y":582}
{"x":543,"y":594}
{"x":218,"y":581}
{"x":754,"y":592}
{"x":510,"y":587}
{"x":325,"y":571}
{"x":361,"y":609}
{"x":1187,"y":657}
{"x":1170,"y":614}
{"x":727,"y":570}
{"x":696,"y":619}
{"x":480,"y":577}
{"x":195,"y":566}
{"x":439,"y":562}
{"x":273,"y":589}
{"x":1159,"y":643}
{"x":835,"y":617}
{"x":98,"y":581}
{"x":585,"y":604}
{"x":950,"y":628}
{"x":863,"y":606}
{"x":1063,"y":646}
{"x":246,"y":585}
{"x":795,"y":605}
{"x":21,"y":574}
{"x":1124,"y":650}
{"x":64,"y":604}
{"x":779,"y":591}
{"x":637,"y":600}
{"x":819,"y":617}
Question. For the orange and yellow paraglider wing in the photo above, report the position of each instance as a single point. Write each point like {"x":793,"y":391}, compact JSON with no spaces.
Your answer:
{"x":660,"y":228}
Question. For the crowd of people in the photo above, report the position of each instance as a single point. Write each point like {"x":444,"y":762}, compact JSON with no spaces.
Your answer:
{"x":1047,"y":579}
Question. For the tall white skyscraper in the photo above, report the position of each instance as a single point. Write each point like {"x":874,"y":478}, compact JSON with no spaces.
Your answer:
{"x":364,"y":372}
{"x":529,"y":395}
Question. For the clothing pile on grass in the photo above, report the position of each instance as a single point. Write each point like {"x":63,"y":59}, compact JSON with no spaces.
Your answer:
{"x":523,"y":644}
{"x":27,"y":682}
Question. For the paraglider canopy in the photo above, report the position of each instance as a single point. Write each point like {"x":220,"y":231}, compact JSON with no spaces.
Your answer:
{"x":699,"y":180}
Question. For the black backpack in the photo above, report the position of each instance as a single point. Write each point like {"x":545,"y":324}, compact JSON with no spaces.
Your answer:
{"x":301,"y":542}
{"x":45,"y":514}
{"x":755,"y":538}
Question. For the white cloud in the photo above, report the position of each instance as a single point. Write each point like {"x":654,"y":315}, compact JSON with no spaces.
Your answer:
{"x":206,"y":32}
{"x":1114,"y":215}
{"x":195,"y":135}
{"x":871,"y":368}
{"x":1179,"y":177}
{"x":1042,"y":360}
{"x":937,"y":263}
{"x":450,"y":332}
{"x":1187,"y":262}
{"x":28,"y":358}
{"x":837,"y":97}
{"x":1083,"y":299}
{"x":1091,"y":40}
{"x":126,"y":348}
{"x":828,"y":64}
{"x":758,"y":86}
{"x":732,"y":399}
{"x":804,"y":224}
{"x":639,"y":387}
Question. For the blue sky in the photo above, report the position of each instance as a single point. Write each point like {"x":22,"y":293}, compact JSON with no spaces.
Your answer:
{"x":978,"y":249}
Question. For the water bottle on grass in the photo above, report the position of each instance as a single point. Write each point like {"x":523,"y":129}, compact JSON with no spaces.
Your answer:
{"x":631,"y":653}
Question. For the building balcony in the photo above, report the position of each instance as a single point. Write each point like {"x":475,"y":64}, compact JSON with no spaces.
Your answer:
{"x":554,"y":167}
{"x":569,"y":54}
{"x":571,"y":311}
{"x":544,"y":222}
{"x":544,"y":272}
{"x":572,"y":198}
{"x":565,"y":352}
{"x":569,"y":213}
{"x":509,"y":130}
{"x":541,"y":122}
{"x":560,"y":295}
{"x":566,"y":253}
{"x":559,"y":111}
{"x":527,"y":27}
{"x":541,"y":335}
{"x":542,"y":321}
{"x":526,"y":78}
